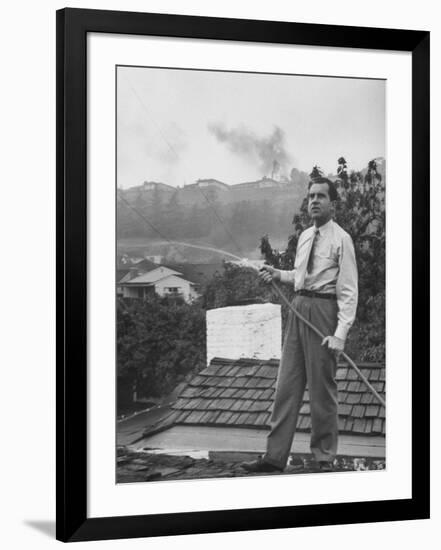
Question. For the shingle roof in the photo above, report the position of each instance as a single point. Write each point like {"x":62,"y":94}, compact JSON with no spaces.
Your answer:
{"x":154,"y":276}
{"x":121,"y":273}
{"x":239,"y":393}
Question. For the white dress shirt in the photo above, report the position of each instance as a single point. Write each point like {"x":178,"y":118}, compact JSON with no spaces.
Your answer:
{"x":333,"y":270}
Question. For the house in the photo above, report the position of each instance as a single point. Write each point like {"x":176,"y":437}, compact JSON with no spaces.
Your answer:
{"x":203,"y":191}
{"x":162,"y":280}
{"x":127,"y":271}
{"x":212,"y":183}
{"x":227,"y":406}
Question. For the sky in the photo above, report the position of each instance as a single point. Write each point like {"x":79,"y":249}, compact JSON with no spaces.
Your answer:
{"x":177,"y":126}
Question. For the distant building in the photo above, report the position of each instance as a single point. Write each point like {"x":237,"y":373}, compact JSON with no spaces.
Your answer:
{"x":210,"y":182}
{"x":162,"y":281}
{"x":263,"y":183}
{"x":157,"y":186}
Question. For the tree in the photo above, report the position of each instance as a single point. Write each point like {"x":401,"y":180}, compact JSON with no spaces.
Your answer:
{"x":160,"y":342}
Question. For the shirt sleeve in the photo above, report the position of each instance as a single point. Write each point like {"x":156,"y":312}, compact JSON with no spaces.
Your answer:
{"x":346,"y":288}
{"x":287,"y":276}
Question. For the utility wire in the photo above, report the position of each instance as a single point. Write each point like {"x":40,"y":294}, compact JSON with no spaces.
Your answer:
{"x":151,"y":225}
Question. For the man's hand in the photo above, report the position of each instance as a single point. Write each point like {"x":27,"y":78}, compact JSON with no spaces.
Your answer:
{"x":335,"y":345}
{"x":268,"y":273}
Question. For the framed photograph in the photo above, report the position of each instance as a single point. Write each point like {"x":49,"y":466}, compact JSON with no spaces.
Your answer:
{"x":242,"y":275}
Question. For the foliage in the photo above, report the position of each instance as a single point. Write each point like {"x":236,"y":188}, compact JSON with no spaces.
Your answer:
{"x":234,"y":286}
{"x":160,"y":342}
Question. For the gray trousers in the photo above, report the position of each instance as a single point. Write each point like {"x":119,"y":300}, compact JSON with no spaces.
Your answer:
{"x":305,"y":361}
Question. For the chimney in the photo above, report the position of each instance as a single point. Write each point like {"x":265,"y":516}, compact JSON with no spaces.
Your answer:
{"x":253,"y":331}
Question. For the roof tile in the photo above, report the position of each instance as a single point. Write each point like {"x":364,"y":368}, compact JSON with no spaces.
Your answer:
{"x":264,"y":383}
{"x":252,"y":382}
{"x":228,"y":392}
{"x":348,"y":424}
{"x":375,"y":375}
{"x":377,"y":426}
{"x":367,"y":398}
{"x":251,"y":419}
{"x":250,"y":370}
{"x":224,"y":370}
{"x":237,"y":405}
{"x":379,"y":386}
{"x":239,"y":393}
{"x":355,"y":386}
{"x":368,"y":426}
{"x":260,"y":406}
{"x":267,"y":371}
{"x":359,"y":425}
{"x":341,"y":374}
{"x":268,"y":394}
{"x":234,"y":417}
{"x":194,"y":416}
{"x":358,"y":411}
{"x":240,"y":417}
{"x":353,"y":398}
{"x":352,"y":375}
{"x":372,"y":410}
{"x":226,"y":404}
{"x":224,"y":417}
{"x":344,"y":409}
{"x":208,"y":416}
{"x":263,"y":419}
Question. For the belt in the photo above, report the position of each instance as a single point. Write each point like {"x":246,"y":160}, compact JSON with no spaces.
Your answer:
{"x":313,"y":294}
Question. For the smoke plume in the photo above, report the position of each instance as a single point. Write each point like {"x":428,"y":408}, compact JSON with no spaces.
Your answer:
{"x":269,"y":152}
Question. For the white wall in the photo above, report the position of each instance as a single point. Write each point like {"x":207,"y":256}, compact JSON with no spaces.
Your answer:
{"x":174,"y":282}
{"x":253,"y":331}
{"x":28,"y":224}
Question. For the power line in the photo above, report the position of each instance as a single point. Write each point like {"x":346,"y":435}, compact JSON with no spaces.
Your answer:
{"x":221,"y":221}
{"x":151,"y":225}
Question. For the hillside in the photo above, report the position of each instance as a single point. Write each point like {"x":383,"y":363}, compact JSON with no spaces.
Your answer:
{"x":210,"y":211}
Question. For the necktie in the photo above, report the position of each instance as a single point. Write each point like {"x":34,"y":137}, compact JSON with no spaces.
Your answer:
{"x":311,"y":251}
{"x":306,"y":263}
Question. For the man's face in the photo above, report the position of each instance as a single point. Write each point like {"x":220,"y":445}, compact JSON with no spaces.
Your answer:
{"x":319,"y":203}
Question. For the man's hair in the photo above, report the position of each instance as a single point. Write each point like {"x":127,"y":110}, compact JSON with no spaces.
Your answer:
{"x":333,"y":193}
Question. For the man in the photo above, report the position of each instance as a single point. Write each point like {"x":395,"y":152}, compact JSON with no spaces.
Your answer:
{"x":325,"y":281}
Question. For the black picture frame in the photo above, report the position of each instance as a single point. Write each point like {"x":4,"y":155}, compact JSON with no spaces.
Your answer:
{"x":71,"y":427}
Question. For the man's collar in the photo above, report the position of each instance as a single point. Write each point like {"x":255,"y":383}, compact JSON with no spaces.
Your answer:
{"x":323,"y":229}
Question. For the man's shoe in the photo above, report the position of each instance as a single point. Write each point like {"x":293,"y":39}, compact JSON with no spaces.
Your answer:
{"x":260,"y":466}
{"x":326,"y":466}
